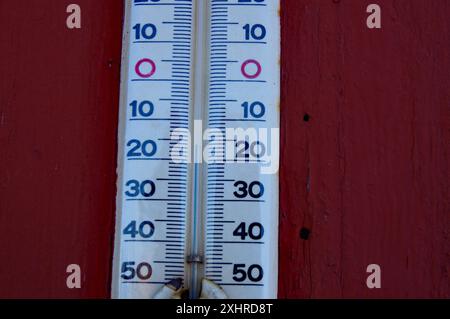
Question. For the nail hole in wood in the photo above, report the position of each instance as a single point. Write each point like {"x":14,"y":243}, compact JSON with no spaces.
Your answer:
{"x":304,"y":233}
{"x":306,"y":117}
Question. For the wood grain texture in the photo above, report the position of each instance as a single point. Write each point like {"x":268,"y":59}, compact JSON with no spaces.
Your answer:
{"x":368,"y":175}
{"x":59,"y":92}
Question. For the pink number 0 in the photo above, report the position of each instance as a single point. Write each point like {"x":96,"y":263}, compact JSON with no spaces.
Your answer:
{"x":251,"y":76}
{"x":138,"y":68}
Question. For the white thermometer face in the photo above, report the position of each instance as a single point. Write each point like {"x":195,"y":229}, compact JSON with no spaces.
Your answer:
{"x":198,"y":148}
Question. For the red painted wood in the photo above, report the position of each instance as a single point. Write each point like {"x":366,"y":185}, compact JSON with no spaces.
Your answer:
{"x":369,"y":173}
{"x":58,"y":120}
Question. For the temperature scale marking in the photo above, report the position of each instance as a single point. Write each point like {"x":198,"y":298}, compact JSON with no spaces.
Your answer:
{"x":191,"y":65}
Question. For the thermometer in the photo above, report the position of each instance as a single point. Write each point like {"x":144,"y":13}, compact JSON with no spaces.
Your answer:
{"x":197,"y":192}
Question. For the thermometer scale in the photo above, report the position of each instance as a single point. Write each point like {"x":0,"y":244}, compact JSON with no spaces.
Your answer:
{"x":198,"y":148}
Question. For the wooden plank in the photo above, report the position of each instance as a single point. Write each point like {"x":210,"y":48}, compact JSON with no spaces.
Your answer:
{"x":368,"y":174}
{"x":59,"y":93}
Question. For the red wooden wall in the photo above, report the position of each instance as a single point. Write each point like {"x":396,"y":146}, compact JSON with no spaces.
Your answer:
{"x":369,"y":173}
{"x":366,"y":171}
{"x":58,"y":119}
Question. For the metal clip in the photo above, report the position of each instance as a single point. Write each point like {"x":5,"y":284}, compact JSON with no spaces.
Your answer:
{"x":194,"y":259}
